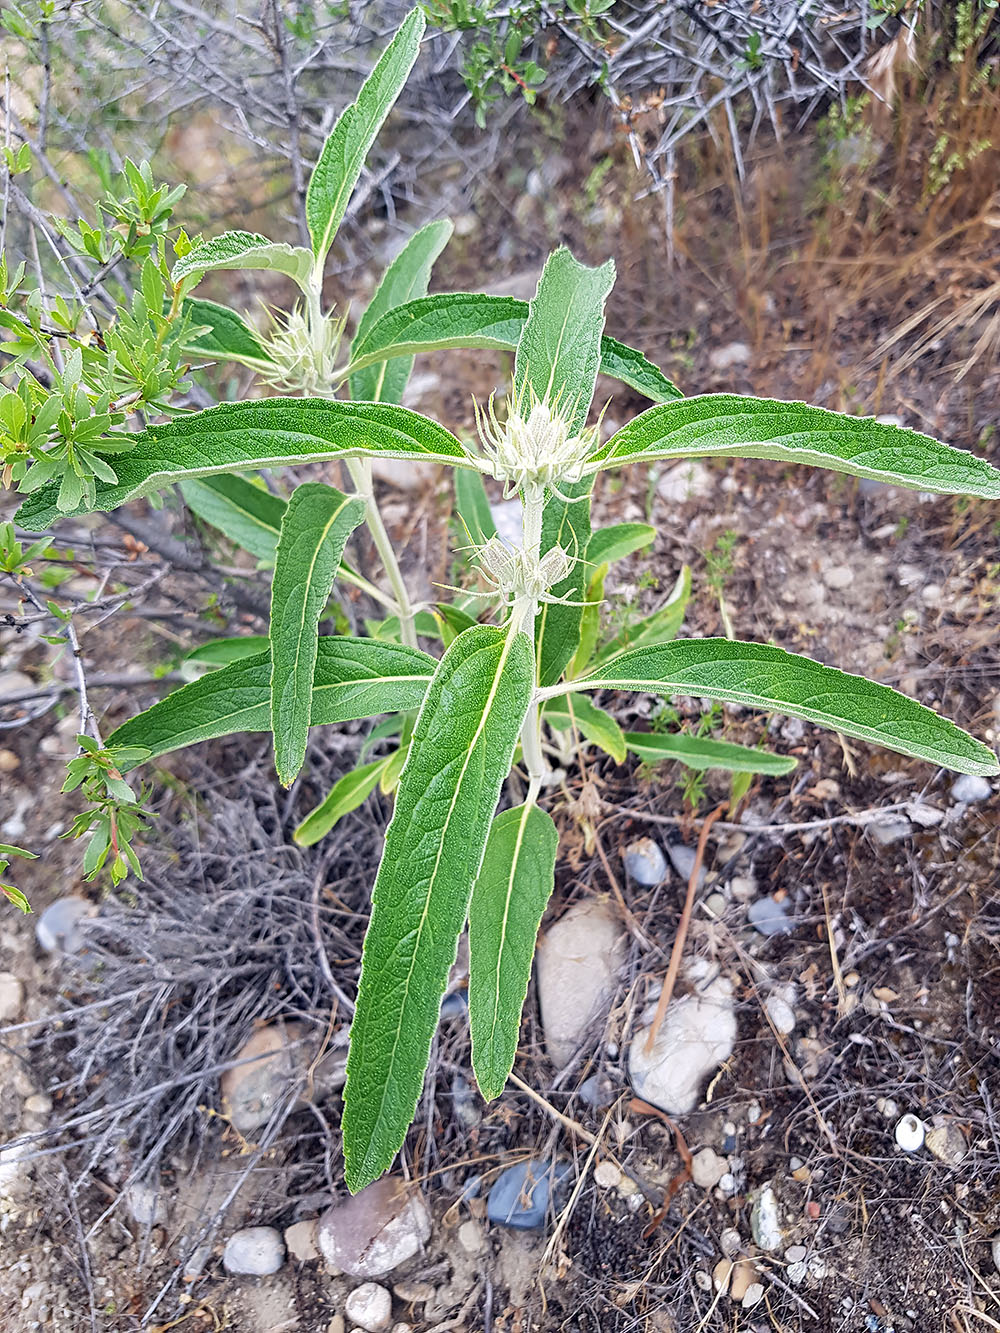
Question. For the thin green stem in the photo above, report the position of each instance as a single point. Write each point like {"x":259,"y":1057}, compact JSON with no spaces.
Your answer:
{"x":524,"y":614}
{"x":361,"y":474}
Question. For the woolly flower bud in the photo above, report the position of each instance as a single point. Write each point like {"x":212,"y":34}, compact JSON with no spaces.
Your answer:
{"x":532,"y":451}
{"x":520,"y":573}
{"x":302,"y":353}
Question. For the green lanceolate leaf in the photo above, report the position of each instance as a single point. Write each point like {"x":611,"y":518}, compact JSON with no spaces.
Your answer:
{"x":354,"y":678}
{"x":272,"y":432}
{"x":760,"y":676}
{"x":618,"y":541}
{"x":473,"y":505}
{"x":593,"y":723}
{"x":336,"y":173}
{"x":220,"y":652}
{"x":406,"y":277}
{"x":514,"y":885}
{"x":247,"y":514}
{"x":314,"y":531}
{"x":246,"y":249}
{"x":461,"y":751}
{"x":352,"y":790}
{"x":467,"y":319}
{"x":701,"y":752}
{"x":660,"y":627}
{"x":224,"y":335}
{"x":590,"y":622}
{"x":559,"y":350}
{"x":729,"y":425}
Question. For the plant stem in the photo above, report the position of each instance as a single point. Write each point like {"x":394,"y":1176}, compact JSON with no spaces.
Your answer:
{"x":531,"y":737}
{"x":361,"y":474}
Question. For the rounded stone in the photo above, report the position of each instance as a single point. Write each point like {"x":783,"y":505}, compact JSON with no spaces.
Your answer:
{"x":254,"y":1252}
{"x":969,"y":788}
{"x":698,"y":1034}
{"x":708,"y":1168}
{"x":375,"y":1231}
{"x":947,"y":1143}
{"x":781,"y":1014}
{"x":58,"y":928}
{"x":577,"y":967}
{"x":146,"y":1205}
{"x":11,"y":997}
{"x":300,"y":1241}
{"x":370,"y":1307}
{"x":470,"y":1237}
{"x":644,"y":861}
{"x":744,"y":1276}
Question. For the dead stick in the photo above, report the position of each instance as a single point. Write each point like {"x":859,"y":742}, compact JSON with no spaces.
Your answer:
{"x":680,"y":939}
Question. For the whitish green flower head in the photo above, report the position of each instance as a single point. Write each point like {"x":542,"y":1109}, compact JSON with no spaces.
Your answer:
{"x":303,"y":352}
{"x":534,"y":449}
{"x":520,"y":574}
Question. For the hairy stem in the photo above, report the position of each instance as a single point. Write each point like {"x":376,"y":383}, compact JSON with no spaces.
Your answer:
{"x":361,"y":474}
{"x":531,"y":738}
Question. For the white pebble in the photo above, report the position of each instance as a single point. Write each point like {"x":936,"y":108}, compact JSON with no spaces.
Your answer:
{"x":910,"y":1132}
{"x":607,"y":1176}
{"x":370,"y":1307}
{"x":781,"y":1014}
{"x":255,"y":1252}
{"x":754,"y":1295}
{"x":995,"y":1247}
{"x":969,"y":788}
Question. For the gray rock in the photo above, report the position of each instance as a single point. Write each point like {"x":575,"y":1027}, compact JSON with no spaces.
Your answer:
{"x":765,"y":1219}
{"x":369,"y":1307}
{"x":697,"y":1034}
{"x":995,"y":1250}
{"x":891,"y":829}
{"x":597,"y":1091}
{"x":577,"y":965}
{"x":682,"y":859}
{"x":254,"y":1252}
{"x":11,"y":997}
{"x":520,"y":1197}
{"x":770,"y":917}
{"x":59,"y":930}
{"x":375,"y":1231}
{"x":645,"y":862}
{"x":732,"y":354}
{"x":969,"y":788}
{"x":14,"y":682}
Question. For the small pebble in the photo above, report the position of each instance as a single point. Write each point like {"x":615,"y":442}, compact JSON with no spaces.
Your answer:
{"x":301,"y":1242}
{"x":796,"y":1272}
{"x":888,"y":1107}
{"x":470,"y":1237}
{"x":795,"y":1253}
{"x":730,"y":1242}
{"x":597,"y":1091}
{"x":744,"y":1276}
{"x":910,"y":1132}
{"x":946,"y":1143}
{"x":254,"y":1252}
{"x":607,"y":1176}
{"x":11,"y":997}
{"x":727,"y":1185}
{"x":707,"y":1168}
{"x":682,"y":858}
{"x":703,"y":1280}
{"x":8,"y":761}
{"x":754,"y":1295}
{"x":370,"y":1307}
{"x":146,"y":1205}
{"x":754,"y":1112}
{"x":765,"y":1219}
{"x":995,"y":1249}
{"x":58,"y":928}
{"x":520,"y":1197}
{"x":715,"y":905}
{"x":721,"y":1274}
{"x":969,"y":788}
{"x":781,"y":1014}
{"x":770,"y":917}
{"x":645,"y":862}
{"x":743,"y":888}
{"x":729,"y":355}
